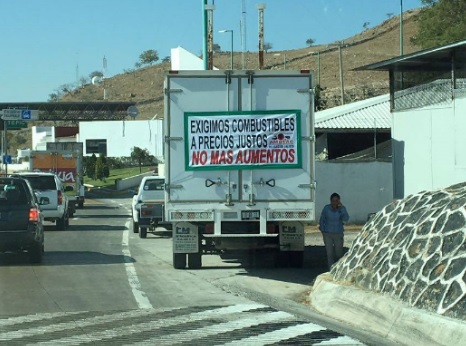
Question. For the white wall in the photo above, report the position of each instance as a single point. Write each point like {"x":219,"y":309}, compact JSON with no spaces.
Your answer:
{"x":364,"y":187}
{"x":41,"y":135}
{"x":121,"y":136}
{"x":430,"y":149}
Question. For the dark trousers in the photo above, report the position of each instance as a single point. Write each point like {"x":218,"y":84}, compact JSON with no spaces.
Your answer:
{"x":334,"y":247}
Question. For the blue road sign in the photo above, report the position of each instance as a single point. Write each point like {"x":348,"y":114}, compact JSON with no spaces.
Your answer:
{"x":7,"y":159}
{"x":26,"y":114}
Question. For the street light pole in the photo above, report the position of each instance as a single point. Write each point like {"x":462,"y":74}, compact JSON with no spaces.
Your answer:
{"x":231,"y":52}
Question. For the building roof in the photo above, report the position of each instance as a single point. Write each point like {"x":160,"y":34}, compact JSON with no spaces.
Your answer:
{"x":433,"y":59}
{"x":362,"y":115}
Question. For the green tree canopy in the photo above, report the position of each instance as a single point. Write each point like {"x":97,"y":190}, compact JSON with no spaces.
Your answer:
{"x":148,"y":57}
{"x":310,"y":41}
{"x":140,"y":156}
{"x":441,"y":22}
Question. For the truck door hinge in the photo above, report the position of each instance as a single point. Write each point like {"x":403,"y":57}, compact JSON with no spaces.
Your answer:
{"x":312,"y":185}
{"x":168,"y":139}
{"x":250,"y":75}
{"x":305,"y":91}
{"x":170,"y":91}
{"x":227,"y":77}
{"x":309,"y":138}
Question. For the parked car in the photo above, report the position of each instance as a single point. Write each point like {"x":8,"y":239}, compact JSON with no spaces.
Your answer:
{"x":21,"y":220}
{"x":50,"y":186}
{"x":147,"y":207}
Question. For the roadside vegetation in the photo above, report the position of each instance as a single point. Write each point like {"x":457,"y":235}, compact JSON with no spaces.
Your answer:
{"x":117,"y":173}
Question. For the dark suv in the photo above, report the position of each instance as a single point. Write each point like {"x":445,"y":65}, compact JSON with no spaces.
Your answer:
{"x":21,"y":221}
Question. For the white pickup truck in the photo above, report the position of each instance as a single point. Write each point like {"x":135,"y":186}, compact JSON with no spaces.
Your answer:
{"x":48,"y":185}
{"x":148,"y":205}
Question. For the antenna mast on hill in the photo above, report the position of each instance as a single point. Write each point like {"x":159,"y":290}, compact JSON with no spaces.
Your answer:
{"x":243,"y":32}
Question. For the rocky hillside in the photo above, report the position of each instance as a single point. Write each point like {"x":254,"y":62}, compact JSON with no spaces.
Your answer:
{"x":145,"y":86}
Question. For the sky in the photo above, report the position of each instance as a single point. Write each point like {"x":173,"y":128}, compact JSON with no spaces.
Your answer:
{"x":49,"y":43}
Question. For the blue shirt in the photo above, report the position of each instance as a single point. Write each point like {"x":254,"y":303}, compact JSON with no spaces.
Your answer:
{"x":331,"y":220}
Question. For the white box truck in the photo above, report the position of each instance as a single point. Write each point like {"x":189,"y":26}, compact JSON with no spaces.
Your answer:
{"x":239,"y":162}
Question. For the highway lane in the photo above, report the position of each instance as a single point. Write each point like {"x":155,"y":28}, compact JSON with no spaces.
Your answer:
{"x":99,"y":281}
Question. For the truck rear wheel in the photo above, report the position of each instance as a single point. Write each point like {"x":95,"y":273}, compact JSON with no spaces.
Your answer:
{"x":179,"y":260}
{"x":135,"y":227}
{"x":194,"y":260}
{"x":80,"y":204}
{"x":61,"y":223}
{"x":296,"y":259}
{"x":142,"y":232}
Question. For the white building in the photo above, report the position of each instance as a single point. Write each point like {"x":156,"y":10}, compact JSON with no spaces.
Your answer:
{"x":428,"y":103}
{"x":117,"y":138}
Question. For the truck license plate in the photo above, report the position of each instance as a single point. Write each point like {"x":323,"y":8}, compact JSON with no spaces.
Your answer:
{"x":250,"y":215}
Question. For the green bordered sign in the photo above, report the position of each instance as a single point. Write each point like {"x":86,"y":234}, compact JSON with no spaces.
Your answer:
{"x":242,"y":140}
{"x":16,"y":124}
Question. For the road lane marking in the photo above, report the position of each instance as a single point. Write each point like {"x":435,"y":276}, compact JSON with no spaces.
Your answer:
{"x":139,"y":295}
{"x":10,"y":321}
{"x":152,"y":325}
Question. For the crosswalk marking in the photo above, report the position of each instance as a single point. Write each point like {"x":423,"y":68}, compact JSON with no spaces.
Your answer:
{"x":74,"y":324}
{"x":241,"y":324}
{"x":151,"y":326}
{"x":278,"y":335}
{"x":173,"y":339}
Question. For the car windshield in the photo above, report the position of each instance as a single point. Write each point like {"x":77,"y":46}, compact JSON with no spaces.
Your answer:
{"x":12,"y":193}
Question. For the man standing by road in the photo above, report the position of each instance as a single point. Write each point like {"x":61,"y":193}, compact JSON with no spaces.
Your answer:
{"x":331,"y":225}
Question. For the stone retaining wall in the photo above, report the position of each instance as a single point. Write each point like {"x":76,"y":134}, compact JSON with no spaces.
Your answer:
{"x":414,"y":250}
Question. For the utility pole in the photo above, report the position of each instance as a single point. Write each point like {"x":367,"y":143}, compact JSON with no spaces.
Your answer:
{"x":341,"y":75}
{"x":210,"y":36}
{"x":204,"y":34}
{"x":401,"y":27}
{"x":261,"y":8}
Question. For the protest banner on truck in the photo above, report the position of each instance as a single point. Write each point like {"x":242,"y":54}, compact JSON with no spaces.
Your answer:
{"x":242,"y":140}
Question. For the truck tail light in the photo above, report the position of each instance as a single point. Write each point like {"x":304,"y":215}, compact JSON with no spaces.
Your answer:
{"x":33,"y":215}
{"x":272,"y":229}
{"x":209,"y":228}
{"x":60,"y":198}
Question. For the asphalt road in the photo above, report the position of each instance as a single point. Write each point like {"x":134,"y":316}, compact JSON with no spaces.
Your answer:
{"x":100,"y":282}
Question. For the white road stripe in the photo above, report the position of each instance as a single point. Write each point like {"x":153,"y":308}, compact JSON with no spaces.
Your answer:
{"x":151,"y":325}
{"x":341,"y":340}
{"x":139,"y":295}
{"x":33,"y":318}
{"x":91,"y":321}
{"x":190,"y":335}
{"x":278,"y":335}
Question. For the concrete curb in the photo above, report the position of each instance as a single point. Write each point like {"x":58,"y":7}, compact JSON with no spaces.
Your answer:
{"x":383,"y":315}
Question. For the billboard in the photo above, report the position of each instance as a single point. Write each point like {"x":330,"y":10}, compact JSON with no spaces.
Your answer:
{"x":242,"y":140}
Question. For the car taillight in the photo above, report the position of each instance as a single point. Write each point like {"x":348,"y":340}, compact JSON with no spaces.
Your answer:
{"x":33,"y":215}
{"x":272,"y":229}
{"x":209,"y":228}
{"x":60,"y":197}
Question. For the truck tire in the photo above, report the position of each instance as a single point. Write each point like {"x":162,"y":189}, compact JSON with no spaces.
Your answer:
{"x":179,"y":260}
{"x":61,"y":223}
{"x":80,"y":204}
{"x":135,"y":227}
{"x":142,"y":232}
{"x":36,"y":253}
{"x":296,"y":259}
{"x":195,"y":260}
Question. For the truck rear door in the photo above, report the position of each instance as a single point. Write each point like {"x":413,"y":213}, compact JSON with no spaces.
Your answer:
{"x":292,"y":94}
{"x":187,"y":94}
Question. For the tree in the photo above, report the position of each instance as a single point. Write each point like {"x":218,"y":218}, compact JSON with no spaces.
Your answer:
{"x":53,"y":97}
{"x":267,"y":46}
{"x":148,"y":57}
{"x":441,"y":22}
{"x":99,"y":169}
{"x":319,"y":102}
{"x":137,"y":65}
{"x":166,"y":59}
{"x":96,"y":74}
{"x":366,"y":25}
{"x":216,"y":48}
{"x":389,"y":15}
{"x":140,"y":156}
{"x":89,"y":165}
{"x":106,"y":169}
{"x":310,"y":41}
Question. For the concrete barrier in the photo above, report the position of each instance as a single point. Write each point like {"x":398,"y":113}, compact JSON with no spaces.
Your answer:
{"x":131,"y":182}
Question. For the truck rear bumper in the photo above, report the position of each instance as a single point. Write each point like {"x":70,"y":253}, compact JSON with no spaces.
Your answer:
{"x":17,"y":240}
